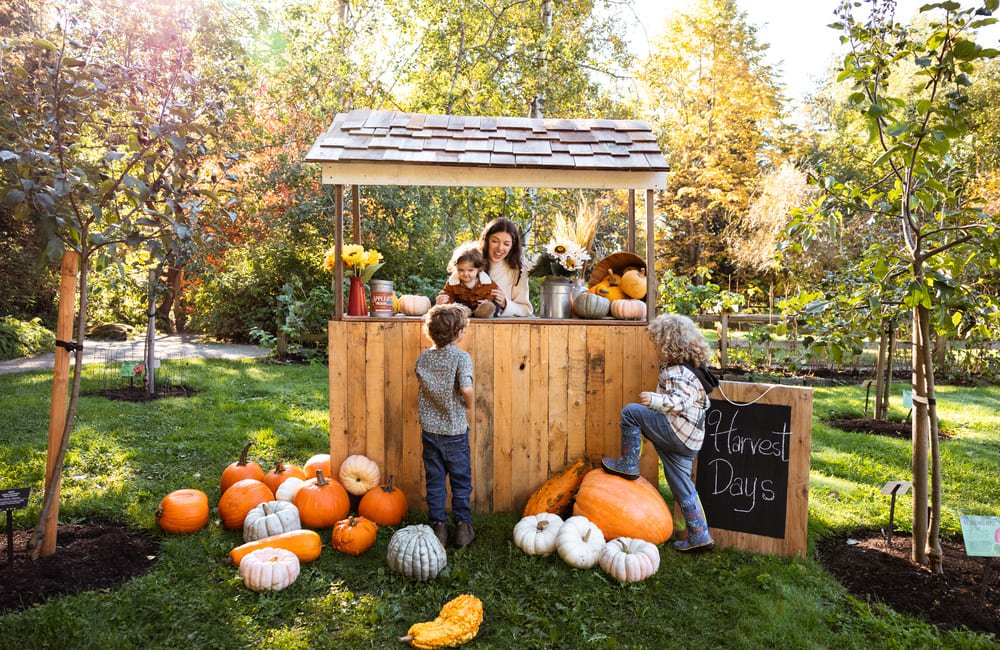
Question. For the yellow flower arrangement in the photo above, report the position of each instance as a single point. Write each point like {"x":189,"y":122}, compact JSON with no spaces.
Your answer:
{"x":363,"y":262}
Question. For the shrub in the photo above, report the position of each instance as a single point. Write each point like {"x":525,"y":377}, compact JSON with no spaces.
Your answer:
{"x":20,"y":338}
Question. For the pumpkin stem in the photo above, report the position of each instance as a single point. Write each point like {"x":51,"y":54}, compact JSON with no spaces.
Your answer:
{"x":280,"y":467}
{"x":243,"y":455}
{"x":388,"y":485}
{"x":587,"y":536}
{"x":320,"y":479}
{"x":542,"y":524}
{"x":405,"y":639}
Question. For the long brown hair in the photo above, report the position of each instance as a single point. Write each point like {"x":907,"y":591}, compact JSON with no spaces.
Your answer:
{"x":514,"y":258}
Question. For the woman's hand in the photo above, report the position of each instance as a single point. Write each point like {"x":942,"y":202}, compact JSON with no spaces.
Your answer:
{"x":499,"y":297}
{"x":645,"y":398}
{"x":442,"y":299}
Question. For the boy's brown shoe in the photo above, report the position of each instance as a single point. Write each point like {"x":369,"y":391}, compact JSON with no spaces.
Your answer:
{"x":441,"y":532}
{"x":464,"y":534}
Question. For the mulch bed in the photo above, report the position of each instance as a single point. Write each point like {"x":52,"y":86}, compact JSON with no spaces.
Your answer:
{"x":874,"y":571}
{"x":139,"y":394}
{"x":89,"y":555}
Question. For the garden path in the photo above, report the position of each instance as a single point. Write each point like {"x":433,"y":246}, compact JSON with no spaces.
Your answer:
{"x":182,"y":346}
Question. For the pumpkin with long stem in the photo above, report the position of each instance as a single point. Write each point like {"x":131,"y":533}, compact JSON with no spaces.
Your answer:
{"x":385,"y":505}
{"x":241,"y":469}
{"x":321,"y":503}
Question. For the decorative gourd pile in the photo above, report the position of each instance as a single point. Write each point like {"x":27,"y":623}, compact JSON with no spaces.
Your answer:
{"x":631,"y":514}
{"x":620,"y":295}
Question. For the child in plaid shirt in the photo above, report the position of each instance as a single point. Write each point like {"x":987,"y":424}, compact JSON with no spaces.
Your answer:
{"x":673,"y":419}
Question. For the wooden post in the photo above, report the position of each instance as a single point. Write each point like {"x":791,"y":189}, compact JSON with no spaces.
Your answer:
{"x":651,"y":286}
{"x":338,"y":273}
{"x":631,"y":221}
{"x":60,"y":387}
{"x":356,"y":212}
{"x":723,"y":341}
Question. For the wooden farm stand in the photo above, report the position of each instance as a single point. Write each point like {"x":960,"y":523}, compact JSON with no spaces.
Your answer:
{"x":547,"y":391}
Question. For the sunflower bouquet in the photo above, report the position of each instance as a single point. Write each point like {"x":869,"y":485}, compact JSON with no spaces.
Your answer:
{"x":566,"y":254}
{"x":363,"y":263}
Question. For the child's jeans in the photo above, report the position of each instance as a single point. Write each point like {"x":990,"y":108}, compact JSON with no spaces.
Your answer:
{"x":444,"y":457}
{"x":677,"y":458}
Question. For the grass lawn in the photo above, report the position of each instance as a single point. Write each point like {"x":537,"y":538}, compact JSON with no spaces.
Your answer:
{"x":125,"y":456}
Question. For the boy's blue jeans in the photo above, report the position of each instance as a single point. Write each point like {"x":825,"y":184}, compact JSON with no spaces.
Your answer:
{"x":447,"y":457}
{"x":677,"y":458}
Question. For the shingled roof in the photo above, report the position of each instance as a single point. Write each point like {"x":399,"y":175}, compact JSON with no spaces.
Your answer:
{"x":393,"y":148}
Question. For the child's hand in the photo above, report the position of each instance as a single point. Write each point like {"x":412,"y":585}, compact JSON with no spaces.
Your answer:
{"x":442,"y":299}
{"x":645,"y":398}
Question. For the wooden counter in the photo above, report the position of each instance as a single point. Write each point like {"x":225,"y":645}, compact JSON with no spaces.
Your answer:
{"x":547,"y":391}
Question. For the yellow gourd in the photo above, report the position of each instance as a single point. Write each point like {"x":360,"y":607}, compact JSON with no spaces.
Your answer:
{"x":633,"y":283}
{"x":457,"y":623}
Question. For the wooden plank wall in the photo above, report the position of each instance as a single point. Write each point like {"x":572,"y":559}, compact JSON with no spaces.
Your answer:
{"x":545,"y":393}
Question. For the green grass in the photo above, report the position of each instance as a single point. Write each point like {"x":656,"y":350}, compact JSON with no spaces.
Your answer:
{"x":124,"y":457}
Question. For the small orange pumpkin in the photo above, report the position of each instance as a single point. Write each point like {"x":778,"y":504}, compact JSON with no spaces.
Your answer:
{"x":385,"y":505}
{"x":183,"y":511}
{"x":623,"y":508}
{"x":241,"y":469}
{"x":556,"y":494}
{"x":317,"y":461}
{"x":281,"y":472}
{"x":242,"y":497}
{"x":354,"y":535}
{"x":321,"y":503}
{"x":358,"y":474}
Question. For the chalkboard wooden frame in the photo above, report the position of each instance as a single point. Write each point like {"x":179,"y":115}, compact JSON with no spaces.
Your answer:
{"x":799,"y":440}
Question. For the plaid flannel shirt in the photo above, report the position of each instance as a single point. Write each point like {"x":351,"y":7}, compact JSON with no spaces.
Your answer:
{"x":681,"y":398}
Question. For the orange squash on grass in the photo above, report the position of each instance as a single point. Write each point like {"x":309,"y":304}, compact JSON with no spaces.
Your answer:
{"x":354,"y":535}
{"x":183,"y":511}
{"x":385,"y":505}
{"x":317,"y":461}
{"x":321,"y":503}
{"x":242,"y":497}
{"x":556,"y":494}
{"x":281,"y":472}
{"x":304,"y":543}
{"x":623,"y":508}
{"x":241,"y":469}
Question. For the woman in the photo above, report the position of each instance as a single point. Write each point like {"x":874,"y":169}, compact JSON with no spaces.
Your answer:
{"x":501,"y":246}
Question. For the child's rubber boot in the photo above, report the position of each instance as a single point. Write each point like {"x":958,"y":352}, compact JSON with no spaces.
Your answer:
{"x":628,"y":465}
{"x":698,"y":537}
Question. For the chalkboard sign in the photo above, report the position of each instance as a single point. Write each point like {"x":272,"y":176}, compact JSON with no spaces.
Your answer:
{"x":743,"y":467}
{"x":752,"y":472}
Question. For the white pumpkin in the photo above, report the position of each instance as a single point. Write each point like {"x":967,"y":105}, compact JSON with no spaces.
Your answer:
{"x":536,"y":534}
{"x":270,"y":518}
{"x":288,"y":489}
{"x":269,"y":569}
{"x":630,"y":560}
{"x":416,"y":552}
{"x":579,"y":542}
{"x":358,"y":474}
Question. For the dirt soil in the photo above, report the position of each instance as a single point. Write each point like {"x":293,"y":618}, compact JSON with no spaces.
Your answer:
{"x":89,"y":555}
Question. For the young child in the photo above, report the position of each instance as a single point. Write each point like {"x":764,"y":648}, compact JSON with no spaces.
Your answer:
{"x":445,"y":392}
{"x":469,"y":283}
{"x":673,"y":419}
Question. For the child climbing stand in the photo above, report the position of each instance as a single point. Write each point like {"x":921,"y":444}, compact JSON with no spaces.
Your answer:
{"x":673,"y":419}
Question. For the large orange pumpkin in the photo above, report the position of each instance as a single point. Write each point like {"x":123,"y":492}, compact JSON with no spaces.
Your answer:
{"x":623,"y":508}
{"x":183,"y":511}
{"x":354,"y":535}
{"x":281,"y":472}
{"x":318,"y":461}
{"x":242,"y":497}
{"x":321,"y":503}
{"x":556,"y":494}
{"x":241,"y":469}
{"x":385,"y":505}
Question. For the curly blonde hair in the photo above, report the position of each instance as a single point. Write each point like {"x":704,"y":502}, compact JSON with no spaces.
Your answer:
{"x":678,"y":339}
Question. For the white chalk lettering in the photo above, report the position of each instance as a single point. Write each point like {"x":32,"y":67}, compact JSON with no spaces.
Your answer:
{"x":725,"y":481}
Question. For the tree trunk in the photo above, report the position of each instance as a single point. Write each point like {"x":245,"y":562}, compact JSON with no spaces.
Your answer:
{"x":51,"y":497}
{"x":166,"y":311}
{"x":918,"y":551}
{"x":933,"y":547}
{"x":149,"y":377}
{"x":889,"y":366}
{"x":880,"y":364}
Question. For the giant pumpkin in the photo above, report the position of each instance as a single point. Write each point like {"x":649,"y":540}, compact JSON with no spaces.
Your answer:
{"x":623,"y":508}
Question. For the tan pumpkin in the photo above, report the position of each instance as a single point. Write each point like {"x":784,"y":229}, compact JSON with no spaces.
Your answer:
{"x":358,"y":474}
{"x":353,"y":535}
{"x":269,"y":569}
{"x":633,"y":283}
{"x":242,"y":497}
{"x":628,"y":309}
{"x":410,"y":305}
{"x":556,"y":494}
{"x":304,"y":543}
{"x":183,"y":511}
{"x":623,"y":508}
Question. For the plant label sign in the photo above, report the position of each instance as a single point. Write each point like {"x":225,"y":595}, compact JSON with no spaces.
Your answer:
{"x":14,"y":499}
{"x":753,"y":468}
{"x":981,"y":535}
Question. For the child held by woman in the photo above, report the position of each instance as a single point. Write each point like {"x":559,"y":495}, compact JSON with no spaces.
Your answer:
{"x":673,"y":419}
{"x":469,"y":283}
